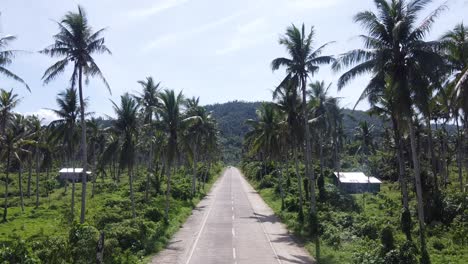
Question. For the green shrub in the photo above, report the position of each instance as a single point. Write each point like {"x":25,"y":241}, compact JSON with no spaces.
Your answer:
{"x":387,"y":240}
{"x":291,"y":203}
{"x":107,"y":217}
{"x":369,"y":230}
{"x":18,"y":251}
{"x":83,"y":240}
{"x":181,"y":188}
{"x":268,"y":181}
{"x":153,"y":214}
{"x":52,"y":250}
{"x":438,"y":245}
{"x":131,"y":234}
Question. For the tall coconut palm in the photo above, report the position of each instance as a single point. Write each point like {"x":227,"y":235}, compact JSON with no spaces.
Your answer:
{"x":64,"y":129}
{"x":455,"y":51}
{"x":6,"y":58}
{"x":200,"y":126}
{"x":148,"y":101}
{"x":322,"y":105}
{"x":171,"y":116}
{"x":126,"y":125}
{"x":289,"y":102}
{"x":76,"y":43}
{"x":303,"y":63}
{"x":14,"y":142}
{"x":268,"y":136}
{"x":8,"y":101}
{"x":396,"y":53}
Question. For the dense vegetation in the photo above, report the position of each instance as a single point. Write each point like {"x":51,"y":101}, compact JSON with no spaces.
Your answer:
{"x":231,"y":118}
{"x":150,"y":165}
{"x":417,"y":87}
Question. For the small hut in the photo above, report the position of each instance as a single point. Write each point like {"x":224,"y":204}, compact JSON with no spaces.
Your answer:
{"x":73,"y":174}
{"x":357,"y":182}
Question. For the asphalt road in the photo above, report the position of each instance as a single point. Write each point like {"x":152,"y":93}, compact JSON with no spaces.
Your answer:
{"x":232,"y":225}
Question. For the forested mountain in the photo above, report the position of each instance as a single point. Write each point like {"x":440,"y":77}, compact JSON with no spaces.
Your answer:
{"x":231,"y":117}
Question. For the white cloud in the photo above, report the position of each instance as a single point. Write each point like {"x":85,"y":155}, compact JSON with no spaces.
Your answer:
{"x":45,"y":115}
{"x":311,"y":4}
{"x":156,"y":8}
{"x":178,"y":36}
{"x":247,"y":35}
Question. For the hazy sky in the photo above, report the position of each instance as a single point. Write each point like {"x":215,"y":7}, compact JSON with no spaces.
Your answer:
{"x":218,"y":50}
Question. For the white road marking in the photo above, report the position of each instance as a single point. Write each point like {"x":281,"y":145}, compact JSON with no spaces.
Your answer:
{"x":233,"y":232}
{"x":232,"y":216}
{"x":201,"y":230}
{"x":234,"y":253}
{"x":261,"y":224}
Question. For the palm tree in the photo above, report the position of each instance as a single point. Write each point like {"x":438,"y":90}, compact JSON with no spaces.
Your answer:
{"x":268,"y":136}
{"x":14,"y":141}
{"x":455,"y":51}
{"x":396,"y":53}
{"x":304,"y":62}
{"x":64,"y":129}
{"x":126,"y":126}
{"x":200,"y":126}
{"x":76,"y":43}
{"x":171,"y":116}
{"x":8,"y":101}
{"x":289,"y":102}
{"x":322,"y":106}
{"x":148,"y":101}
{"x":6,"y":58}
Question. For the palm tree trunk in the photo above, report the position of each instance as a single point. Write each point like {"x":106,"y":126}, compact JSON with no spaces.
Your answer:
{"x":401,"y":163}
{"x":37,"y":177}
{"x":281,"y":184}
{"x":419,"y":195}
{"x":73,"y":194}
{"x":431,"y":149}
{"x":20,"y":176}
{"x":7,"y":173}
{"x":459,"y":154}
{"x":130,"y":174}
{"x":299,"y":184}
{"x":83,"y":146}
{"x":150,"y":171}
{"x":93,"y":169}
{"x":309,"y":169}
{"x":29,"y":176}
{"x":194,"y":177}
{"x":168,"y":192}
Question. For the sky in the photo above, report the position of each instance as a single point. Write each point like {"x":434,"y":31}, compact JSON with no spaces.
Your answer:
{"x":216,"y":49}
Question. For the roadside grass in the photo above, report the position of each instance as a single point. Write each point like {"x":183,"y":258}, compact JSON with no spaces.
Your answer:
{"x":347,"y":233}
{"x":109,"y":210}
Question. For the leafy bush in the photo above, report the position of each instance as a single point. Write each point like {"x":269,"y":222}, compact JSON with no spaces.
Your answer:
{"x":107,"y":217}
{"x":51,"y":250}
{"x":291,"y":203}
{"x":387,"y":240}
{"x":268,"y":181}
{"x":17,"y":252}
{"x":83,"y":240}
{"x":437,"y":244}
{"x":368,"y":229}
{"x":181,"y":188}
{"x":131,"y":234}
{"x":153,"y":214}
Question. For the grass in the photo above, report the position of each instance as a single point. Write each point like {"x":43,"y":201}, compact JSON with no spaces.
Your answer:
{"x":52,"y":217}
{"x":382,"y":209}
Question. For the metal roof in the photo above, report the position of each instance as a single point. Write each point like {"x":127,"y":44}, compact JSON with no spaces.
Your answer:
{"x":73,"y":170}
{"x":356,"y":177}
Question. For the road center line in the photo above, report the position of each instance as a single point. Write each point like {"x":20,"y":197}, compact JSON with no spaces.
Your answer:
{"x":234,"y":253}
{"x":203,"y":226}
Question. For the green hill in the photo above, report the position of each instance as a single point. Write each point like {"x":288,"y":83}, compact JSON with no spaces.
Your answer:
{"x":231,"y":118}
